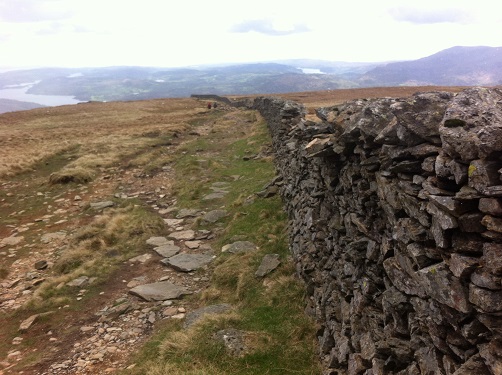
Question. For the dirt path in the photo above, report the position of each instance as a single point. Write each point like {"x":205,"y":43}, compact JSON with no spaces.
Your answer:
{"x":99,"y":335}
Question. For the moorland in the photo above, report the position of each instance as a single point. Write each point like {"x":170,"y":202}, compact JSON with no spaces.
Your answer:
{"x":86,"y":193}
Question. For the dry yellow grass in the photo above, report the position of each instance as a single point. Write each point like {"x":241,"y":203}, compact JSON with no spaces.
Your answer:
{"x":103,"y":132}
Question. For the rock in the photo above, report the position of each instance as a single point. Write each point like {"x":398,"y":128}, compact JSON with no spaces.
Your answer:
{"x":491,"y":206}
{"x":102,"y":205}
{"x":192,"y":244}
{"x":173,"y":222}
{"x":487,"y":300}
{"x":158,"y":241}
{"x":492,"y":355}
{"x":239,"y":247}
{"x":141,"y":258}
{"x":11,"y":241}
{"x":167,"y":250}
{"x":187,"y":212}
{"x":183,"y":235}
{"x":472,"y":124}
{"x":233,"y":340}
{"x":49,"y":237}
{"x":473,"y":366}
{"x":214,"y":215}
{"x":269,"y":263}
{"x":41,"y":265}
{"x":188,"y":262}
{"x":197,"y":315}
{"x":27,"y":323}
{"x":136,"y":281}
{"x":79,"y":281}
{"x":160,"y":291}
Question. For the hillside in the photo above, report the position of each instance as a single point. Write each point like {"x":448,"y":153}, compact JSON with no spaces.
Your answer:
{"x":458,"y":66}
{"x":101,"y":203}
{"x":461,"y":66}
{"x":8,"y":105}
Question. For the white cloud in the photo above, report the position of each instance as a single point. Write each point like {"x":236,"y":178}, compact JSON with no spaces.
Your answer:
{"x":189,"y":32}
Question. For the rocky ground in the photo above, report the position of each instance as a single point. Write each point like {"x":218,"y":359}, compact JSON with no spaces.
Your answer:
{"x":99,"y":335}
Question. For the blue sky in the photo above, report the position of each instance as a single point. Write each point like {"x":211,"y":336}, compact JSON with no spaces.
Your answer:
{"x":81,"y":33}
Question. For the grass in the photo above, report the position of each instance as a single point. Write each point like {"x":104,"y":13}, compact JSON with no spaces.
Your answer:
{"x":279,"y":338}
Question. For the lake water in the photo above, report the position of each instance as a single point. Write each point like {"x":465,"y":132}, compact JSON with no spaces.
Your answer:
{"x":19,"y":93}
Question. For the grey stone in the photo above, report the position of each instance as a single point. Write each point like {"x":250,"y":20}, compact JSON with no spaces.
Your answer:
{"x":489,"y":301}
{"x":233,"y":340}
{"x":472,"y":124}
{"x":188,"y":262}
{"x":187,"y":212}
{"x":239,"y":247}
{"x":214,"y":215}
{"x":197,"y":315}
{"x":158,"y":241}
{"x":78,"y":282}
{"x":160,"y":291}
{"x":268,"y":264}
{"x":167,"y":250}
{"x":102,"y":205}
{"x":183,"y":235}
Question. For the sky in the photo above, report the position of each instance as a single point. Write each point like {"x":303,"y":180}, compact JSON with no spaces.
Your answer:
{"x":168,"y":33}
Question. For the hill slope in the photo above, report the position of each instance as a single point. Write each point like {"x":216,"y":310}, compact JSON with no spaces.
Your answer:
{"x":460,"y":66}
{"x":9,"y":105}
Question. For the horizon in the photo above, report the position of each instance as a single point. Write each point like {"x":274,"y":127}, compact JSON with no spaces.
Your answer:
{"x":4,"y":69}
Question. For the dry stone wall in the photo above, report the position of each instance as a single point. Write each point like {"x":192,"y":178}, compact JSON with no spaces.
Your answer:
{"x":395,"y":210}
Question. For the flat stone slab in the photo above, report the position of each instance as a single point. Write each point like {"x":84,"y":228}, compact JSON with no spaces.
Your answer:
{"x":239,"y":247}
{"x":214,"y":216}
{"x":102,"y":205}
{"x":173,"y":222}
{"x":158,"y":241}
{"x":196,"y":315}
{"x":269,"y":263}
{"x":187,"y":212}
{"x":141,"y":258}
{"x":188,"y":262}
{"x":160,"y":291}
{"x":192,"y":244}
{"x":183,"y":235}
{"x":168,"y":250}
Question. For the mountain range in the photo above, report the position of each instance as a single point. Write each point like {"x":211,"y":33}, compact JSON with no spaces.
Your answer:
{"x":456,"y":66}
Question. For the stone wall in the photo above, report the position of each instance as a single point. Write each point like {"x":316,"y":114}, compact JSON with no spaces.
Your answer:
{"x":395,"y":210}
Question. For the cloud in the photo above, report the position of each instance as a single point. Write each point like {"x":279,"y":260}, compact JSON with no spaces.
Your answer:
{"x":431,"y":16}
{"x":24,"y":11}
{"x":268,"y":27}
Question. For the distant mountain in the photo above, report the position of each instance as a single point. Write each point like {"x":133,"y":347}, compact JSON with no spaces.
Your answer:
{"x":456,"y":66}
{"x":8,"y":105}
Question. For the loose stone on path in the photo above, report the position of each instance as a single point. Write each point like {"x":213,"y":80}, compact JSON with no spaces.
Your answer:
{"x":158,"y":241}
{"x":188,"y":262}
{"x":167,"y":250}
{"x":183,"y":235}
{"x":160,"y":291}
{"x":214,"y":216}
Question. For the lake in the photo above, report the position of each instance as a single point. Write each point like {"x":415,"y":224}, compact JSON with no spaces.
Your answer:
{"x":19,"y":93}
